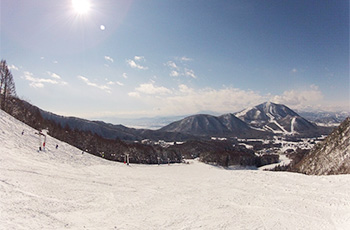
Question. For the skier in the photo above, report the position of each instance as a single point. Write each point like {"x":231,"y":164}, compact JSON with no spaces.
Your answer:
{"x":56,"y":146}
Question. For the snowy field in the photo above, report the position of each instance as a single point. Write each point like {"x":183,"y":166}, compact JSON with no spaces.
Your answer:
{"x":65,"y":189}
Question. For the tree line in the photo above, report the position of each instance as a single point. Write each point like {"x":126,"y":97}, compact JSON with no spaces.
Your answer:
{"x":7,"y":86}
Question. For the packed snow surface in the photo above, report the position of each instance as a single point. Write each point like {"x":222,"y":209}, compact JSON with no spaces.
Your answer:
{"x":65,"y":189}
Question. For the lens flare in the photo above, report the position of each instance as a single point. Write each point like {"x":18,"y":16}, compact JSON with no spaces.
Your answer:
{"x":81,"y":6}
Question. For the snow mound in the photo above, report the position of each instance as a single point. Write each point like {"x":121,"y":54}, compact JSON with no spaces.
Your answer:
{"x":65,"y":189}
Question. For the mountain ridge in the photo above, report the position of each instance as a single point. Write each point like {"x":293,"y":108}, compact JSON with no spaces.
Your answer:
{"x":226,"y":125}
{"x":263,"y":120}
{"x":277,"y":120}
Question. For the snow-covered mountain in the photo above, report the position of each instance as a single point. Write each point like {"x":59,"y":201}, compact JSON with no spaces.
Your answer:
{"x":278,"y":119}
{"x":322,"y":118}
{"x":233,"y":124}
{"x":206,"y":125}
{"x":262,"y":121}
{"x":198,"y":125}
{"x":332,"y":156}
{"x":65,"y":189}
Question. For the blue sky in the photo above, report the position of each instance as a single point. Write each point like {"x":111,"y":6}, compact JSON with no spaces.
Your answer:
{"x":147,"y":58}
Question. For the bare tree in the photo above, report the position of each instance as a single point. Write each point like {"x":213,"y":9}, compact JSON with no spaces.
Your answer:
{"x":7,"y":85}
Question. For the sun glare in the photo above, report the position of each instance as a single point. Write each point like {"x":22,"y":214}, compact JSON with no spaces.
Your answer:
{"x":81,"y":6}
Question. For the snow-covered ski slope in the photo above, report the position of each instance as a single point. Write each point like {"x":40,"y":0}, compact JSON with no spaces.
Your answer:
{"x":65,"y":189}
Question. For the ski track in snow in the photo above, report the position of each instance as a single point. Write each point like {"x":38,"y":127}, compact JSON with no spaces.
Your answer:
{"x":283,"y":130}
{"x":272,"y":120}
{"x":292,"y":125}
{"x":65,"y":189}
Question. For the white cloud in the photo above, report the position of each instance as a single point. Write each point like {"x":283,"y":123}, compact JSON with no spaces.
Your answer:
{"x":39,"y":82}
{"x":125,"y":76}
{"x":185,"y":89}
{"x":314,"y":87}
{"x":36,"y":85}
{"x":150,"y":89}
{"x":180,"y":70}
{"x":134,"y":94}
{"x":139,"y":58}
{"x":294,"y":70}
{"x":89,"y":83}
{"x":83,"y":78}
{"x":13,"y":67}
{"x":53,"y":75}
{"x":185,"y":59}
{"x":107,"y":58}
{"x":115,"y":83}
{"x":190,"y":73}
{"x":300,"y":99}
{"x":187,"y":100}
{"x":134,"y":65}
{"x":171,"y":64}
{"x":221,"y":100}
{"x":155,"y":100}
{"x":174,"y":73}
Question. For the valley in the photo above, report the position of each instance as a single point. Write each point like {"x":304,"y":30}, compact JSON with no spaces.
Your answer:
{"x":253,"y":137}
{"x":65,"y":189}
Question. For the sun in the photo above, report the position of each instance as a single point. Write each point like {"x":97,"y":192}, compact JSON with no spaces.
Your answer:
{"x":81,"y":6}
